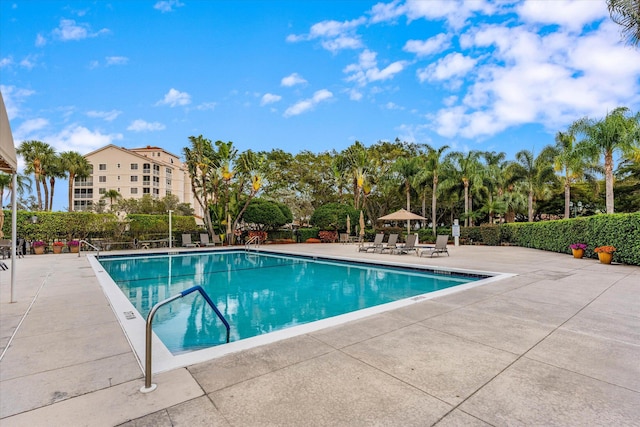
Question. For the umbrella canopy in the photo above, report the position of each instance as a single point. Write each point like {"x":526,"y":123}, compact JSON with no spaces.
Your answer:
{"x":361,"y":223}
{"x":348,"y":224}
{"x":229,"y":228}
{"x":401,"y":215}
{"x":8,"y":161}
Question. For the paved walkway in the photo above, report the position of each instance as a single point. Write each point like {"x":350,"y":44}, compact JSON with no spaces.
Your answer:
{"x":558,"y":344}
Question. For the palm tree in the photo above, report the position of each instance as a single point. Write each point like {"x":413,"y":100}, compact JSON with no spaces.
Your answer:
{"x":494,"y":180}
{"x":77,"y":166}
{"x":111,"y":195}
{"x":618,"y":131}
{"x":406,"y":168}
{"x":199,"y":162}
{"x":463,"y":168}
{"x":35,"y":154}
{"x":627,"y":14}
{"x":433,"y":166}
{"x":536,"y":173}
{"x":55,"y":169}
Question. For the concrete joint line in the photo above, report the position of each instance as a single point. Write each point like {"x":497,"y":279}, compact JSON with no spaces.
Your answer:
{"x":35,"y":297}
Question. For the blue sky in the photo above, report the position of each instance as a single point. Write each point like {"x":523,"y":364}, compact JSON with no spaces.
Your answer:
{"x":309,"y":75}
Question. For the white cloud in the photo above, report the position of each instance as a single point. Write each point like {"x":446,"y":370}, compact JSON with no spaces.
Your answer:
{"x":455,"y":12}
{"x":384,"y":12}
{"x":269,"y":98}
{"x":430,"y":46}
{"x":69,"y":30}
{"x":40,"y":40}
{"x":140,"y":125}
{"x":28,"y":62}
{"x":13,"y":98}
{"x":207,"y":106}
{"x":5,"y":62}
{"x":452,"y":65}
{"x":525,"y":76}
{"x":570,"y":14}
{"x":116,"y":60}
{"x":334,"y":35}
{"x":308,"y":104}
{"x":174,"y":98}
{"x":79,"y":138}
{"x":393,"y":106}
{"x":167,"y":5}
{"x":366,"y":70}
{"x":109,"y":116}
{"x":292,"y":80}
{"x":28,"y":127}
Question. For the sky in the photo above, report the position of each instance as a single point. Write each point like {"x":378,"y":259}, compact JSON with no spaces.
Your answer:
{"x":309,"y":75}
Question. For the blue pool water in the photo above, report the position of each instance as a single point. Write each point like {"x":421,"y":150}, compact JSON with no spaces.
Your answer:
{"x":257,"y":293}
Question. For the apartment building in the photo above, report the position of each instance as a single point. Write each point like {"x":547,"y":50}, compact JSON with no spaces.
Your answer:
{"x":133,"y":172}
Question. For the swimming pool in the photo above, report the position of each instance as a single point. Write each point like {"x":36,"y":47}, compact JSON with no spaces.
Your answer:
{"x":259,"y":293}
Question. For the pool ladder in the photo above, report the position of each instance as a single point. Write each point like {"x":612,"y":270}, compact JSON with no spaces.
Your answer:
{"x":254,"y":240}
{"x":148,"y":386}
{"x":88,"y":244}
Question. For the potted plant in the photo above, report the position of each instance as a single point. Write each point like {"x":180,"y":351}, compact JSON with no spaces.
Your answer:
{"x":578,"y":249}
{"x":74,"y":246}
{"x":38,"y":247}
{"x":57,"y":247}
{"x":605,"y":253}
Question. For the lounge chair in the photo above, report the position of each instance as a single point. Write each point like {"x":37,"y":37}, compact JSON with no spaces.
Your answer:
{"x":377,"y":243}
{"x":216,"y":240}
{"x":390,"y":245}
{"x":439,"y":248}
{"x":186,"y":241}
{"x":409,"y":246}
{"x":204,"y":240}
{"x":344,"y":238}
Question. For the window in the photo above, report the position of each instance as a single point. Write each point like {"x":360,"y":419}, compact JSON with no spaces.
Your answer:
{"x":168,"y":193}
{"x":82,"y":205}
{"x":102,"y":167}
{"x":102,"y":179}
{"x":83,"y":193}
{"x":83,"y":182}
{"x":118,"y":165}
{"x":134,"y":166}
{"x":134,"y":178}
{"x":168,"y":183}
{"x":146,"y":179}
{"x":146,"y":168}
{"x":156,"y":192}
{"x":168,"y":171}
{"x":146,"y":190}
{"x":102,"y":190}
{"x":134,"y":190}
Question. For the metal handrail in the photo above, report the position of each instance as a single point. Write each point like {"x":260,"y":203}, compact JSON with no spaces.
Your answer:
{"x":148,"y":387}
{"x":252,"y":239}
{"x":88,"y":244}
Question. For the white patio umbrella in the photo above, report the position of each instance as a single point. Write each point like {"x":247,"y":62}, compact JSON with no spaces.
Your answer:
{"x":229,"y":229}
{"x":348,"y":225}
{"x":9,"y":164}
{"x":402,"y":215}
{"x":361,"y":224}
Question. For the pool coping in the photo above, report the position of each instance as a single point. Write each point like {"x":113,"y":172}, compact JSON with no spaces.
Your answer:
{"x":134,"y":325}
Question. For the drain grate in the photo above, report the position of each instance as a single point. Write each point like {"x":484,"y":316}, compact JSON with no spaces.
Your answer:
{"x":129,"y":315}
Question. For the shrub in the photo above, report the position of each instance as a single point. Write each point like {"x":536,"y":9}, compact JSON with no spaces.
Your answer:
{"x":307,"y":233}
{"x":333,"y":216}
{"x":328,"y":236}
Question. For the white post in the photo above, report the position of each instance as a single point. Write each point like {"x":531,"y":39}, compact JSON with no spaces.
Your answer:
{"x":170,"y":229}
{"x":455,"y":230}
{"x":14,"y":233}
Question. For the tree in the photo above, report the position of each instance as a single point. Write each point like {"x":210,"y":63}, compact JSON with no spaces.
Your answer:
{"x":267,"y":214}
{"x":434,"y":165}
{"x":55,"y":169}
{"x":617,"y":132}
{"x":36,"y":154}
{"x":76,"y":166}
{"x":536,"y":174}
{"x":463,"y":168}
{"x":333,"y":216}
{"x":627,"y":14}
{"x":6,"y":182}
{"x":201,"y":167}
{"x":111,"y":195}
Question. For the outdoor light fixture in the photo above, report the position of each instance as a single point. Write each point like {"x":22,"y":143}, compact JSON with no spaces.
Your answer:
{"x":34,"y":219}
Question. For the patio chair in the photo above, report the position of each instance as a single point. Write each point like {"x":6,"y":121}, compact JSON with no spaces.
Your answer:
{"x":377,"y":243}
{"x":186,"y":241}
{"x":216,"y":240}
{"x":390,"y":245}
{"x":204,"y":240}
{"x":409,"y":246}
{"x":344,"y":238}
{"x":439,"y":248}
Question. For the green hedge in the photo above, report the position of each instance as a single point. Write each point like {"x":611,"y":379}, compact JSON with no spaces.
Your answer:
{"x":50,"y":226}
{"x":307,"y":233}
{"x":619,"y":230}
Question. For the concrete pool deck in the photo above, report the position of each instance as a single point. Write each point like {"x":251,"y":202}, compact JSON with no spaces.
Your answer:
{"x":558,"y":344}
